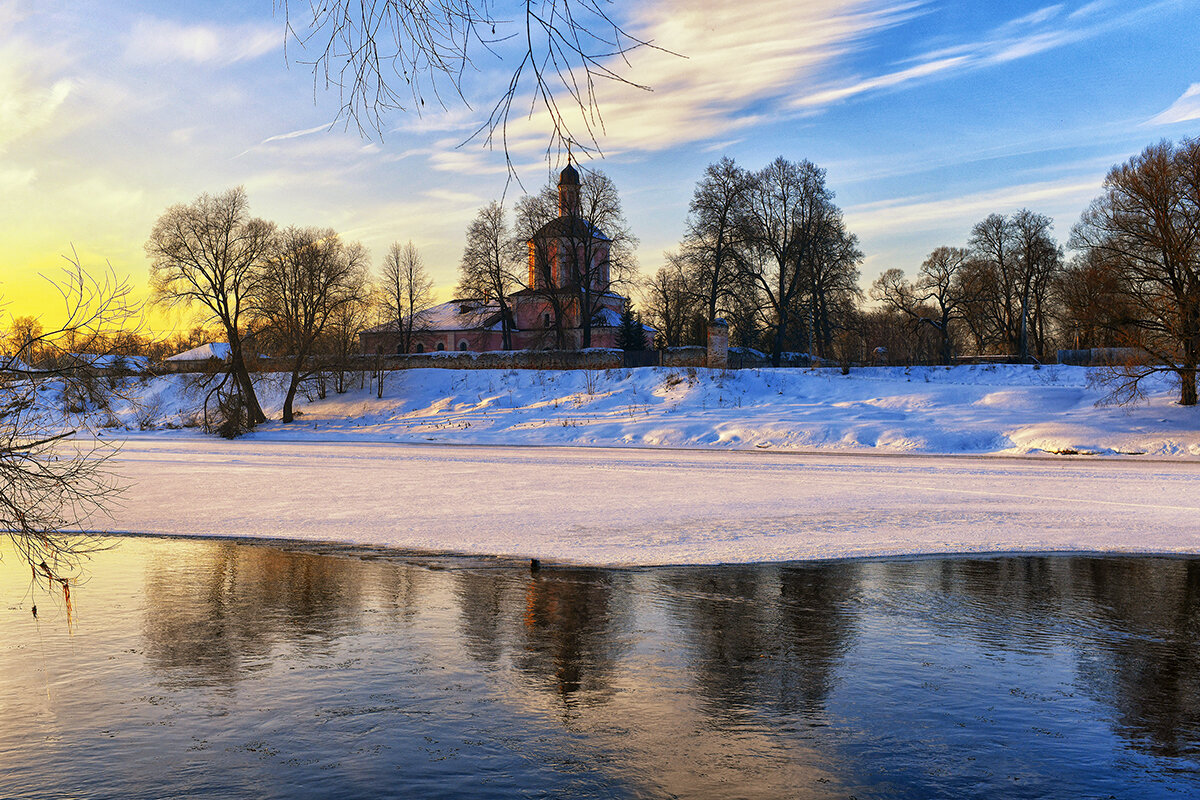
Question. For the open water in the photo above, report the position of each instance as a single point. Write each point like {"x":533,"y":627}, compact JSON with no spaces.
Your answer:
{"x":203,"y":668}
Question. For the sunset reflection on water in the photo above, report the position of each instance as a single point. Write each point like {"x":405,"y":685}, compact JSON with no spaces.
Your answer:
{"x":217,"y":668}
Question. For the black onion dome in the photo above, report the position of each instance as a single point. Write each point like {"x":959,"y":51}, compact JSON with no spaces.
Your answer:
{"x":569,"y":176}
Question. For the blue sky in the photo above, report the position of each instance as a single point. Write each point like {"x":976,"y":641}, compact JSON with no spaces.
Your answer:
{"x":926,"y":115}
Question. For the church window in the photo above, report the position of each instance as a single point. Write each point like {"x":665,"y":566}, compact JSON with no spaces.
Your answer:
{"x":441,"y":346}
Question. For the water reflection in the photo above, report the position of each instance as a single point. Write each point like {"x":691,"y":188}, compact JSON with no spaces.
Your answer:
{"x":1151,"y":669}
{"x":573,"y":629}
{"x":218,"y":617}
{"x":764,"y":636}
{"x":288,"y":672}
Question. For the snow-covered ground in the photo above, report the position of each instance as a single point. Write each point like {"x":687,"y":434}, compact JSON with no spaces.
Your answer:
{"x":681,"y":466}
{"x":970,"y":409}
{"x":624,"y":506}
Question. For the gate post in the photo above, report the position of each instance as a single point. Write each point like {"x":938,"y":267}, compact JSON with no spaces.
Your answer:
{"x":718,"y":344}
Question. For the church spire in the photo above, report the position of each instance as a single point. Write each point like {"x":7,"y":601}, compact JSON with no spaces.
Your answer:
{"x":568,"y":190}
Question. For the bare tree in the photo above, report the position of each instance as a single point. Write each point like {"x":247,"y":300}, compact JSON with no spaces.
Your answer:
{"x":392,"y":56}
{"x":788,"y":208}
{"x":1040,"y":260}
{"x":407,"y":291}
{"x":1016,"y":260}
{"x":993,"y":248}
{"x":601,"y":251}
{"x":210,"y":253}
{"x":936,"y":299}
{"x":1146,"y":225}
{"x":579,"y":256}
{"x":668,"y":302}
{"x":1092,"y":306}
{"x":715,"y":232}
{"x":486,"y":269}
{"x":339,"y":347}
{"x":52,"y":483}
{"x":311,"y":275}
{"x":830,"y":274}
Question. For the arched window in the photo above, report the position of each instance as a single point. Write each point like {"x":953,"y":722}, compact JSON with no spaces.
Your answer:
{"x":420,"y":347}
{"x":400,"y":349}
{"x":441,"y":346}
{"x":462,"y":345}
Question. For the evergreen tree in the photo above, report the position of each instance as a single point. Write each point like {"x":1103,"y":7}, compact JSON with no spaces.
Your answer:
{"x":630,"y":335}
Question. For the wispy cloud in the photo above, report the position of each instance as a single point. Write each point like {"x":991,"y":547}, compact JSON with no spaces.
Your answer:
{"x":737,"y":66}
{"x":912,"y":214}
{"x":26,"y":106}
{"x":926,"y":69}
{"x":1043,"y":30}
{"x":13,"y":179}
{"x":1186,"y":108}
{"x":157,"y":41}
{"x":295,"y":134}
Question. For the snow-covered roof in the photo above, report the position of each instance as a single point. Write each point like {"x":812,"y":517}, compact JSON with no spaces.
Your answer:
{"x":217,"y":350}
{"x":607,"y":316}
{"x":570,"y":227}
{"x":456,"y":315}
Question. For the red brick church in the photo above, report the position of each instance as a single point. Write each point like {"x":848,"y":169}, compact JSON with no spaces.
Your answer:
{"x":546,"y":315}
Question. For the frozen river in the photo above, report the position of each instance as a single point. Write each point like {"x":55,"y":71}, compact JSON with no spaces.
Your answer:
{"x":643,"y":507}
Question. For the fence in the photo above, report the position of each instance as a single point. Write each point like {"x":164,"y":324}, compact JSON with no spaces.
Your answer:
{"x":1103,"y":356}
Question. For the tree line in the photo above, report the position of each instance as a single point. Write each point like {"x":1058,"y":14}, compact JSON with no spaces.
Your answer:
{"x":769,"y":252}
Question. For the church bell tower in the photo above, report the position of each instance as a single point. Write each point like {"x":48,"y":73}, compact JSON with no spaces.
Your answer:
{"x":568,"y":192}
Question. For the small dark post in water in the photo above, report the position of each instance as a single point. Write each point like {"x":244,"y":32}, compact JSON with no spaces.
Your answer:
{"x":534,"y":565}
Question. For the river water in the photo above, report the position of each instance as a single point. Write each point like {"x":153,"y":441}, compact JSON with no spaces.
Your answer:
{"x":213,"y":668}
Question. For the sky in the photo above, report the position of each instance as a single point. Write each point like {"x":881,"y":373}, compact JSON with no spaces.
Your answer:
{"x":927,"y":116}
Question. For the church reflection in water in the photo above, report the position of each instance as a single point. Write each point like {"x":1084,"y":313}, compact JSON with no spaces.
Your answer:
{"x":897,"y":677}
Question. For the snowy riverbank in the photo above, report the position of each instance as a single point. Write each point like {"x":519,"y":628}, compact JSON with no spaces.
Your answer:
{"x":769,"y":465}
{"x":983,"y":409}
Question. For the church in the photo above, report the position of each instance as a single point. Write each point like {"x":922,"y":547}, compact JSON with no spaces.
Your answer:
{"x":568,"y":278}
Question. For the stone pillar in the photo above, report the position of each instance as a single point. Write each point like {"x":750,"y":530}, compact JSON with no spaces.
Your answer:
{"x":718,"y":344}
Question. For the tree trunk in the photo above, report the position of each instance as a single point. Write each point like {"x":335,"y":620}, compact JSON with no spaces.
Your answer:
{"x":585,"y":317}
{"x":291,"y":396}
{"x":506,"y":325}
{"x":1187,"y":385}
{"x":254,"y":411}
{"x":947,"y":357}
{"x":777,"y":347}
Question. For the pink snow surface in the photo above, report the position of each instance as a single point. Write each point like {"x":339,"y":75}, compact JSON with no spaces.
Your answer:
{"x":621,"y":506}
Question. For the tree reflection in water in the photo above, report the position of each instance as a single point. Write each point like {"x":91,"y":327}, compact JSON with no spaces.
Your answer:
{"x":905,"y":678}
{"x":1151,"y":673}
{"x":764,"y":636}
{"x":221,"y":615}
